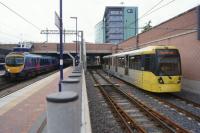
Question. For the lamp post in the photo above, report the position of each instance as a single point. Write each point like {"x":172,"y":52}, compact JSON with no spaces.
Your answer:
{"x":76,"y":37}
{"x":61,"y":47}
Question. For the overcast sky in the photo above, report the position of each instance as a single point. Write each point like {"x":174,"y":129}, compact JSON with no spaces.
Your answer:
{"x":89,"y":12}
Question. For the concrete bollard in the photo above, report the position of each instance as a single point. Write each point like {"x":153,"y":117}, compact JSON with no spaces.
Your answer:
{"x":62,"y":115}
{"x":71,"y":84}
{"x":75,"y":75}
{"x":71,"y":80}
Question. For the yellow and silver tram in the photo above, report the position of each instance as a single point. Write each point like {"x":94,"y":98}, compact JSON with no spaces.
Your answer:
{"x":154,"y":68}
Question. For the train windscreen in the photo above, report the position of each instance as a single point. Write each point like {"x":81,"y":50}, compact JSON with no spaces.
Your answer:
{"x":14,"y":61}
{"x":168,"y":62}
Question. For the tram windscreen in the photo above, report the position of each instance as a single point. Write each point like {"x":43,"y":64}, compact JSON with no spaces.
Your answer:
{"x":168,"y":61}
{"x":14,"y":61}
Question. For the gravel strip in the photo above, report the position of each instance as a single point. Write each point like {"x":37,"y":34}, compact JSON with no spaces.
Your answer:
{"x":189,"y":95}
{"x":182,"y":104}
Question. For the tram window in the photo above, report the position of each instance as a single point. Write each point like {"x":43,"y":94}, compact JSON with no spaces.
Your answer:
{"x":104,"y":61}
{"x":110,"y":61}
{"x":107,"y":61}
{"x":121,"y":62}
{"x":131,"y":58}
{"x":135,"y":62}
{"x":138,"y":62}
{"x":149,"y":63}
{"x":114,"y":61}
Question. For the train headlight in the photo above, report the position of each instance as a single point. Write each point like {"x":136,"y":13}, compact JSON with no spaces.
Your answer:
{"x":160,"y":80}
{"x":8,"y":70}
{"x":179,"y":80}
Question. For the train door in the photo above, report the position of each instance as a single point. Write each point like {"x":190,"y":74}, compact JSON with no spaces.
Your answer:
{"x":116,"y":63}
{"x":112,"y":64}
{"x":126,"y":65}
{"x":109,"y":62}
{"x":139,"y":68}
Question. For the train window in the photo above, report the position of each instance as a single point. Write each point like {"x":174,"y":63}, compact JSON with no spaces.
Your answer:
{"x":138,"y":62}
{"x":42,"y":62}
{"x":104,"y":61}
{"x":109,"y":61}
{"x":14,"y":61}
{"x":114,"y":61}
{"x":149,"y":63}
{"x":131,"y":58}
{"x":33,"y":61}
{"x":168,"y":62}
{"x":135,"y":62}
{"x":28,"y":61}
{"x":169,"y":65}
{"x":121,"y":62}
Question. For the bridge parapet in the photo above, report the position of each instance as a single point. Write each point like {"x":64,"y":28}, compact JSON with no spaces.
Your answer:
{"x":71,"y":48}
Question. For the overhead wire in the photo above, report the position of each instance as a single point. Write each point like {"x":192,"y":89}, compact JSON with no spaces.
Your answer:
{"x":161,"y":7}
{"x":150,"y":11}
{"x":16,"y":13}
{"x":145,"y":14}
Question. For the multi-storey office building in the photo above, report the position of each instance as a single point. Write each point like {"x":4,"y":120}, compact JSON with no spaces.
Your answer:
{"x":118,"y":24}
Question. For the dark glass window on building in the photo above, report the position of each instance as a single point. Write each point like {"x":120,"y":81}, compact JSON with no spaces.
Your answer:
{"x":129,"y":10}
{"x":115,"y":18}
{"x":115,"y":36}
{"x":115,"y":12}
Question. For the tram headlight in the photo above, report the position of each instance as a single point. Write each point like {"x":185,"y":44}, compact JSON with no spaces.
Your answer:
{"x":179,"y":80}
{"x":160,"y":80}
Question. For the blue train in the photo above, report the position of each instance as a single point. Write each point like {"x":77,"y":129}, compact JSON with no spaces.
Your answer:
{"x":24,"y":64}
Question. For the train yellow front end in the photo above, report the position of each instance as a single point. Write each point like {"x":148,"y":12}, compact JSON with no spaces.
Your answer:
{"x":161,"y":84}
{"x":14,"y":63}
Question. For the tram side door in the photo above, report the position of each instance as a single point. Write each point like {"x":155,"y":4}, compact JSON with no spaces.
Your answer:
{"x":109,"y":63}
{"x":126,"y":65}
{"x":116,"y":63}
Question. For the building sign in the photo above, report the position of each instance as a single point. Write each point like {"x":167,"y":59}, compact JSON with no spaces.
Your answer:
{"x":129,"y":10}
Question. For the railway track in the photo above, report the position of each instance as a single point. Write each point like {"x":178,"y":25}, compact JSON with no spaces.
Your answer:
{"x":180,"y":110}
{"x":4,"y":84}
{"x":133,"y":114}
{"x":181,"y":105}
{"x":186,"y":101}
{"x":9,"y":86}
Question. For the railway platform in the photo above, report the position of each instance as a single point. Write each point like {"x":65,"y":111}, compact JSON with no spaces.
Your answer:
{"x":25,"y":110}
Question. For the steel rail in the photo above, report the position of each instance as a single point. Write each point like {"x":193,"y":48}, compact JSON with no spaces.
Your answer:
{"x":179,"y":109}
{"x":128,"y":123}
{"x":187,"y":113}
{"x":187,"y":101}
{"x":160,"y":118}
